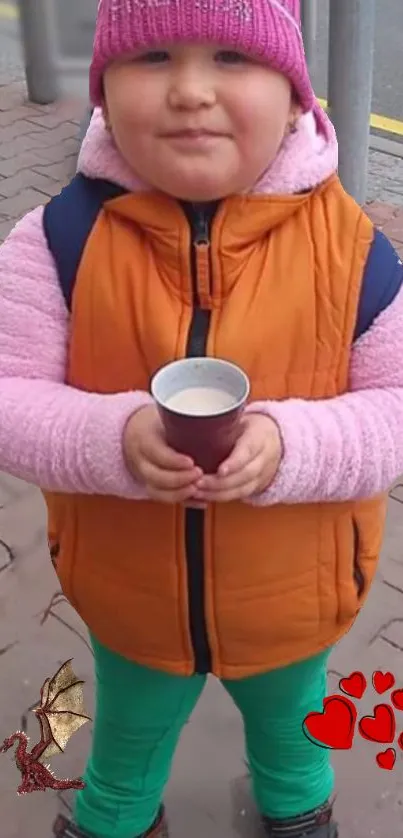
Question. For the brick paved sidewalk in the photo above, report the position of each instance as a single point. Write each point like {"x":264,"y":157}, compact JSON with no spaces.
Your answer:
{"x":388,"y":218}
{"x":208,"y":794}
{"x":38,"y":148}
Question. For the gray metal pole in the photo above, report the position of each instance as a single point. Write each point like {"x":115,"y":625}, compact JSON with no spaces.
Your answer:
{"x":351,"y":58}
{"x":37,"y":47}
{"x":309,"y":20}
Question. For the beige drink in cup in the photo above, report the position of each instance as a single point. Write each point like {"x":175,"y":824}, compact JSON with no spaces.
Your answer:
{"x":201,"y":402}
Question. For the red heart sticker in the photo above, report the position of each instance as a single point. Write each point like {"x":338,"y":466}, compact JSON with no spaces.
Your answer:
{"x":400,"y":741}
{"x":355,"y":685}
{"x":383,"y":681}
{"x":397,"y":699}
{"x":381,"y":726}
{"x":386,"y":759}
{"x":335,"y":727}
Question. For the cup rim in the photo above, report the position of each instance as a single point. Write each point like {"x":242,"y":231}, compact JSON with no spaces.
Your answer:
{"x":215,"y":361}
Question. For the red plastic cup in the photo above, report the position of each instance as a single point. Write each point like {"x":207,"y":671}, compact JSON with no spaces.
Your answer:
{"x":201,"y":401}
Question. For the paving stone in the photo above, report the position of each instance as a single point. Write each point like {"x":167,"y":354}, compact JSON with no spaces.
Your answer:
{"x":59,"y":152}
{"x":27,"y":160}
{"x":20,"y":204}
{"x":5,"y":229}
{"x":49,"y":121}
{"x":380,"y":213}
{"x":394,"y":228}
{"x":59,"y":172}
{"x":18,"y":129}
{"x":64,"y":131}
{"x":398,"y":245}
{"x":12,"y":186}
{"x":27,"y":142}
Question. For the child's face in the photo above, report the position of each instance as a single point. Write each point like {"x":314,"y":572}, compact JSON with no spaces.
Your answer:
{"x":197,"y":122}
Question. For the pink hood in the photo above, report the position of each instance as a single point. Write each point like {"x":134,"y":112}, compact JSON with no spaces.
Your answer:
{"x":306,"y":158}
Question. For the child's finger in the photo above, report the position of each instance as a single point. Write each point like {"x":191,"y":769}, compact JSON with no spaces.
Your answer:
{"x":234,"y":480}
{"x":236,"y":493}
{"x":156,"y":451}
{"x":176,"y":496}
{"x":242,"y":454}
{"x":169,"y":480}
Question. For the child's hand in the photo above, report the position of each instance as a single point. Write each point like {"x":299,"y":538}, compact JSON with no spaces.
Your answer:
{"x":168,"y":476}
{"x":250,"y":468}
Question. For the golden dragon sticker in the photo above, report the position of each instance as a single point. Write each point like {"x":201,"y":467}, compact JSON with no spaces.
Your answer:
{"x":60,"y":713}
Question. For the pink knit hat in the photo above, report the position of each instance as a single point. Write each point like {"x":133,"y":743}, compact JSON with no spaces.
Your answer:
{"x":268,"y":30}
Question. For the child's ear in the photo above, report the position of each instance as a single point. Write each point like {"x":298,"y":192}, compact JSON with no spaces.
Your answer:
{"x":295,"y":113}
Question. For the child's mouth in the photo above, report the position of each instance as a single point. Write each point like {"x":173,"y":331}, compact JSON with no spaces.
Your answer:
{"x":194,"y":137}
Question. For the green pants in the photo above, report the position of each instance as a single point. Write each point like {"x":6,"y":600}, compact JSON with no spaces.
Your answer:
{"x":140,"y":714}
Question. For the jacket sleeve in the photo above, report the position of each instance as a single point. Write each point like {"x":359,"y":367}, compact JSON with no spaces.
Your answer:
{"x":52,"y":435}
{"x":351,"y":446}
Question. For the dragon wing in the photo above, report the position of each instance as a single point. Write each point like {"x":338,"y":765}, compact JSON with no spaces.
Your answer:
{"x":61,"y":711}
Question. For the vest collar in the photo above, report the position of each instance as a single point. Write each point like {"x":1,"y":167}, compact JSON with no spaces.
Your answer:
{"x":235,"y":222}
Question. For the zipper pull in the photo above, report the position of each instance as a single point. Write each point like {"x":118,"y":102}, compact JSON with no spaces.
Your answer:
{"x":201,"y":231}
{"x":201,"y":245}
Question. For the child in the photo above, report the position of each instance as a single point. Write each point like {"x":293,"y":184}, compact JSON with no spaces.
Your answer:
{"x":206,"y":219}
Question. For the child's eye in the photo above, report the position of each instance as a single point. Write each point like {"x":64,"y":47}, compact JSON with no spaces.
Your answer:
{"x":231,"y":57}
{"x":154,"y":57}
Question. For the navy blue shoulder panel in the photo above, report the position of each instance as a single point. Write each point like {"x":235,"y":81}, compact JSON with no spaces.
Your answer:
{"x":382,"y":281}
{"x":68,"y":220}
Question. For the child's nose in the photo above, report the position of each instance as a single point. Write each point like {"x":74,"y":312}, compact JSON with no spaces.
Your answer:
{"x":190,"y":91}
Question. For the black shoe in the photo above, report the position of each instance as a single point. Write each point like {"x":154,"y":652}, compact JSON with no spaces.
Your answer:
{"x":65,"y":828}
{"x":315,"y":824}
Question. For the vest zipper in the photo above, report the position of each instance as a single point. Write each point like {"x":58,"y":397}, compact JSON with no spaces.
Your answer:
{"x":194,"y":518}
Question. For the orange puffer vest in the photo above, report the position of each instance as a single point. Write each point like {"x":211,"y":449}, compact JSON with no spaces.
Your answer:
{"x":236,"y":590}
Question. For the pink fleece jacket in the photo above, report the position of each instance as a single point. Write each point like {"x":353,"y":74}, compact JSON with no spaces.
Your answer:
{"x":67,"y":440}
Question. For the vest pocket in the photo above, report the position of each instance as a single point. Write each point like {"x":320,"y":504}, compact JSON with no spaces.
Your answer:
{"x":54,"y":527}
{"x":350,"y":577}
{"x":359,"y":578}
{"x":54,"y":549}
{"x":62,"y":538}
